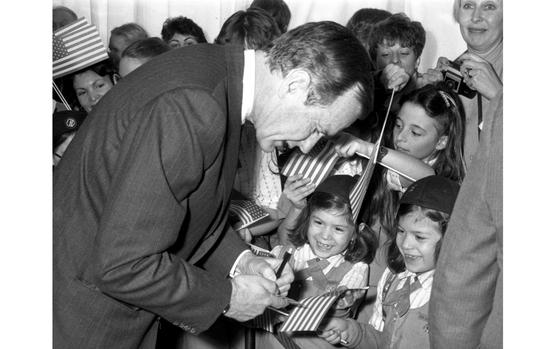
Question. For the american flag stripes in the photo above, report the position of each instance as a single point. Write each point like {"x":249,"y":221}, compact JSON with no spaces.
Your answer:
{"x":358,"y":192}
{"x":265,"y":321}
{"x":76,"y":46}
{"x":308,"y":316}
{"x":247,"y":211}
{"x":316,"y":165}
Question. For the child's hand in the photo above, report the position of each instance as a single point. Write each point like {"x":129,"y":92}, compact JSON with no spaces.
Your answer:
{"x":394,"y":77}
{"x":245,"y":234}
{"x":349,"y":298}
{"x":333,"y":330}
{"x":346,"y":145}
{"x":297,"y":189}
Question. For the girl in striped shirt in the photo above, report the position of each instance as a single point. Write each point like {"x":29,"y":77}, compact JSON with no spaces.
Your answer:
{"x":400,"y":314}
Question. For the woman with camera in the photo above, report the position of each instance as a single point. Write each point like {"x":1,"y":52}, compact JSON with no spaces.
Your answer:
{"x":480,"y":68}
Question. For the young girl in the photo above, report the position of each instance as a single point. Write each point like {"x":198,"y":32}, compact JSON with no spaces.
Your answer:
{"x":427,"y":138}
{"x":329,"y":251}
{"x":400,"y":314}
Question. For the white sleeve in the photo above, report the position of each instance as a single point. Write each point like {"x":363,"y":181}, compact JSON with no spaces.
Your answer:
{"x":356,"y":277}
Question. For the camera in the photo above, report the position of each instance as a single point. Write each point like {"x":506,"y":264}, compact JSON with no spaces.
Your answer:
{"x":453,"y":78}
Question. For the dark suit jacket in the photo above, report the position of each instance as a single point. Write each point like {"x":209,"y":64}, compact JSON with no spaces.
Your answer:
{"x":141,"y":197}
{"x":467,"y":294}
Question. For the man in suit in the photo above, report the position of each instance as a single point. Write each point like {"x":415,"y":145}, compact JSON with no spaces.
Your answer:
{"x":141,"y":195}
{"x":466,"y":306}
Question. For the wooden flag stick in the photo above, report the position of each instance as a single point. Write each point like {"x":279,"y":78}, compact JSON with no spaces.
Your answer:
{"x":389,"y":168}
{"x":59,"y":93}
{"x":383,"y":128}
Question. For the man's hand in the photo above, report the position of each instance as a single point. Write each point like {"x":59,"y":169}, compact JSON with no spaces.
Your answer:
{"x":250,"y":295}
{"x":266,"y":267}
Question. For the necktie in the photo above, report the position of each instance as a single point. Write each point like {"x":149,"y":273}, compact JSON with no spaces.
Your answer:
{"x":400,"y":299}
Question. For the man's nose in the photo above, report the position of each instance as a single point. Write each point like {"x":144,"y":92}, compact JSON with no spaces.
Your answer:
{"x":307,"y":144}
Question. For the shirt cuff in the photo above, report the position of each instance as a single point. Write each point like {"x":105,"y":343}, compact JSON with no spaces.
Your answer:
{"x":233,"y":271}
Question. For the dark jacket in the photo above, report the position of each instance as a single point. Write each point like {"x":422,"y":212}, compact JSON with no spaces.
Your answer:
{"x":140,"y":203}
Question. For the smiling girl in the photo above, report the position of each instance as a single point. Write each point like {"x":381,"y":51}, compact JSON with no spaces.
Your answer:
{"x":427,"y":139}
{"x":400,"y":314}
{"x":330,"y":252}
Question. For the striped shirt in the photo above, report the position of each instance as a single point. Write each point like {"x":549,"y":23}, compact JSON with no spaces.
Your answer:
{"x":418,"y":298}
{"x":355,"y":278}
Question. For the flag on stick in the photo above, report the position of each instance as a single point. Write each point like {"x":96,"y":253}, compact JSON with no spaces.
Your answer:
{"x":247,"y":211}
{"x":316,"y":165}
{"x":359,"y":190}
{"x":308,"y":316}
{"x":76,"y":46}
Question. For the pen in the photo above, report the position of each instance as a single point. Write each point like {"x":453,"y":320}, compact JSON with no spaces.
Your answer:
{"x":285,"y":260}
{"x":279,"y":311}
{"x":293,"y":302}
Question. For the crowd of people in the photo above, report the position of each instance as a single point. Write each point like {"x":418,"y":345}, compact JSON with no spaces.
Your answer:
{"x":171,"y":128}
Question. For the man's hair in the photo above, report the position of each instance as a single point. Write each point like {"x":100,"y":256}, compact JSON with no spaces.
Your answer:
{"x":183,"y":26}
{"x":146,"y":48}
{"x":278,"y":9}
{"x":334,"y":58}
{"x":131,"y":31}
{"x":398,"y":29}
{"x":252,"y":29}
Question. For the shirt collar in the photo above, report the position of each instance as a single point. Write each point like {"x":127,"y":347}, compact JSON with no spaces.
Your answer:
{"x":248,"y":84}
{"x":421,"y":277}
{"x":308,"y":254}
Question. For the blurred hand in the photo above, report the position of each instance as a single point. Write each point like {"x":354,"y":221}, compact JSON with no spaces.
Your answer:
{"x":333,"y":330}
{"x":347,"y":145}
{"x":432,"y":76}
{"x":394,"y":77}
{"x":266,"y":267}
{"x":479,"y":75}
{"x":250,"y":295}
{"x":245,"y":234}
{"x":297,"y":189}
{"x":349,"y":298}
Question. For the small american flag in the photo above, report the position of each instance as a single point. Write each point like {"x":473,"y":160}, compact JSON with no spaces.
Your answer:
{"x":247,"y":211}
{"x":316,"y":165}
{"x":358,"y":192}
{"x":308,"y":316}
{"x":76,"y":46}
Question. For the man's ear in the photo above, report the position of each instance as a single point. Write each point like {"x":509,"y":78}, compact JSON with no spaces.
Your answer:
{"x":442,"y":143}
{"x":296,"y":81}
